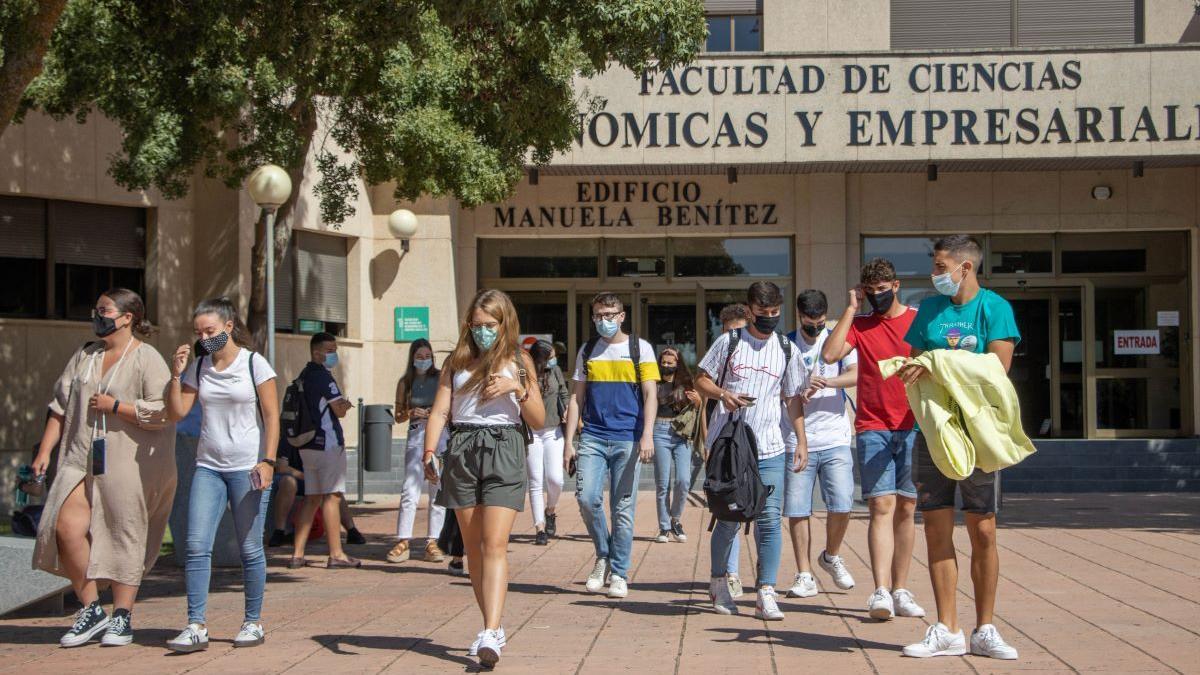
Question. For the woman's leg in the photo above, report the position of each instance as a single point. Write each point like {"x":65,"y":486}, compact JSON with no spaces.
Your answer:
{"x":331,"y":513}
{"x":249,"y":508}
{"x":552,"y":459}
{"x":496,"y":527}
{"x":123,"y":596}
{"x":74,"y":543}
{"x":681,"y":452}
{"x":414,"y":477}
{"x":662,"y":475}
{"x":535,"y":467}
{"x":470,"y":525}
{"x":206,"y":505}
{"x":304,"y":523}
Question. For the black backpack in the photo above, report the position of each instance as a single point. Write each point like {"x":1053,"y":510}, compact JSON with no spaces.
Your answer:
{"x":296,"y":422}
{"x":733,"y":487}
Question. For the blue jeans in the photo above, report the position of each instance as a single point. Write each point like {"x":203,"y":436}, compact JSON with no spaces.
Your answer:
{"x":211,"y":491}
{"x":885,"y":463}
{"x":834,"y":467}
{"x":620,"y":461}
{"x":671,"y":449}
{"x":767,"y":531}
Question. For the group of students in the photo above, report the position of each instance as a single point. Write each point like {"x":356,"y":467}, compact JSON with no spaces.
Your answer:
{"x":497,"y":422}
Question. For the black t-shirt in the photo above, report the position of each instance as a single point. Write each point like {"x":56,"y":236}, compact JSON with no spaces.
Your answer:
{"x":666,"y":400}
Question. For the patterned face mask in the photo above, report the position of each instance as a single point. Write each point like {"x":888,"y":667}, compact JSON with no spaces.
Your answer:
{"x":212,"y":345}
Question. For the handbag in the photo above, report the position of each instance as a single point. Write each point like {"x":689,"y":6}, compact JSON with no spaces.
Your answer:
{"x":686,"y":422}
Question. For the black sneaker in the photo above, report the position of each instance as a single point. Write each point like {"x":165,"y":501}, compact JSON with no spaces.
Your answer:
{"x":278,"y":538}
{"x":89,"y":621}
{"x":551,"y":524}
{"x":677,"y":532}
{"x":457,"y":568}
{"x":541,"y":538}
{"x":120,"y":629}
{"x":354,"y":537}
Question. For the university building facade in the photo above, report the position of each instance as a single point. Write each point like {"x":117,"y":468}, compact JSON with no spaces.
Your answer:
{"x":809,"y":137}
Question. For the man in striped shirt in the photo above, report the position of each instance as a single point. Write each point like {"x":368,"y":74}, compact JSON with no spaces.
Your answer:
{"x":752,"y":380}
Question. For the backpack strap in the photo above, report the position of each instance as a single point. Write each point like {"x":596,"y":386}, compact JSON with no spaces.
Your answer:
{"x":588,"y":351}
{"x":253,"y":386}
{"x":734,"y":338}
{"x":199,"y":362}
{"x":786,"y":344}
{"x":635,"y":354}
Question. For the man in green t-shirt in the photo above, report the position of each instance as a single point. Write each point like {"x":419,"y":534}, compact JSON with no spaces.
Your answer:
{"x":961,"y":316}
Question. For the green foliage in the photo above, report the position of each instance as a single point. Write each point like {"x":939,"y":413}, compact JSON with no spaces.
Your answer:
{"x":444,"y":97}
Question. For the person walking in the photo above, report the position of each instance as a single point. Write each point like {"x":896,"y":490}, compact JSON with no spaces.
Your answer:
{"x":107,"y":508}
{"x":324,"y":456}
{"x":487,"y":392}
{"x":830,"y":461}
{"x":750,"y":379}
{"x":676,"y":426}
{"x":962,"y":316}
{"x":613,"y":394}
{"x":235,"y":461}
{"x":884,"y":424}
{"x":415,"y":394}
{"x":545,"y":460}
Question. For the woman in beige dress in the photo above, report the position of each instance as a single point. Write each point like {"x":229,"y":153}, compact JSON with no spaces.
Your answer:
{"x":108,"y":507}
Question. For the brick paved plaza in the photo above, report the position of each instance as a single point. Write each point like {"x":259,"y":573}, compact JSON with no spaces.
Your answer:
{"x":1088,"y":583}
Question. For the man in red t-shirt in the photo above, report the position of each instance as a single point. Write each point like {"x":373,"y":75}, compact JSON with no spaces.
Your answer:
{"x":884,"y":426}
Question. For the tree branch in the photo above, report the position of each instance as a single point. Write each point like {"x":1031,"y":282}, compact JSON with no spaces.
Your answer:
{"x":24,"y":48}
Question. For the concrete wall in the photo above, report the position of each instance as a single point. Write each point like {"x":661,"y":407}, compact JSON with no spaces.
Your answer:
{"x":826,"y":25}
{"x":1171,"y":21}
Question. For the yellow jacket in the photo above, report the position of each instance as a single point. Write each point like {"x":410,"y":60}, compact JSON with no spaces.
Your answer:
{"x":968,"y":410}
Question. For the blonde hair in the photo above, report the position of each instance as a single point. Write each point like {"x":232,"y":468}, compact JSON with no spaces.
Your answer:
{"x":504,"y":352}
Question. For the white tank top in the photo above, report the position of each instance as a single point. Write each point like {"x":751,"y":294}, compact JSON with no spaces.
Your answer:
{"x":466,"y":408}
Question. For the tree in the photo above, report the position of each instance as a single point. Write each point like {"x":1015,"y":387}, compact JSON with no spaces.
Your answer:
{"x":25,"y":28}
{"x":444,"y":97}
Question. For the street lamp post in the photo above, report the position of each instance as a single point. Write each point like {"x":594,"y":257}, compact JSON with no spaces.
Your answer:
{"x":270,"y":186}
{"x":402,"y":223}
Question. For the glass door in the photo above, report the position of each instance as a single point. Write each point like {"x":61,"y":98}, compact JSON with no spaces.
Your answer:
{"x":670,"y":320}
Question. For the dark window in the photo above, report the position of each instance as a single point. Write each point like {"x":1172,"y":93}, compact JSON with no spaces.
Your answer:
{"x":76,"y":287}
{"x":720,"y":34}
{"x":1096,"y":262}
{"x":748,"y":257}
{"x":734,"y":33}
{"x":539,"y":258}
{"x":747,"y":33}
{"x":24,"y":283}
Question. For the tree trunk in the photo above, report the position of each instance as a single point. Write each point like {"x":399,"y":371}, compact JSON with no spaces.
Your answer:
{"x":256,"y":321}
{"x":24,"y":47}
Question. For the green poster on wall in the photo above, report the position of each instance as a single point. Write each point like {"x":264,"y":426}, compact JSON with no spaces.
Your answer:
{"x":412,"y":323}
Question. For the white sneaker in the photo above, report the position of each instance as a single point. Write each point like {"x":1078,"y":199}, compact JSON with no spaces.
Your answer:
{"x":489,"y":648}
{"x":718,"y":592}
{"x":617,"y":587}
{"x":474,"y":648}
{"x":662,"y":537}
{"x":766,"y":607}
{"x":986,"y":641}
{"x":805,"y":586}
{"x":939,"y":641}
{"x":906,"y":605}
{"x":836,"y":567}
{"x":880,"y":606}
{"x":251,"y":635}
{"x":735,"y":585}
{"x":191,"y":639}
{"x":598,"y":579}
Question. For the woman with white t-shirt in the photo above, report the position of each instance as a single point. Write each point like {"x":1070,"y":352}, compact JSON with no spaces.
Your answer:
{"x":235,"y":460}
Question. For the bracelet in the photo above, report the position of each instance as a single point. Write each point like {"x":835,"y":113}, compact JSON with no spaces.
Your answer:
{"x":116,"y":407}
{"x":525,"y":397}
{"x":427,"y":454}
{"x":267,"y":461}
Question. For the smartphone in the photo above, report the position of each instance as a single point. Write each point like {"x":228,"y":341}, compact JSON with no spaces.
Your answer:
{"x":98,"y":456}
{"x":255,"y":479}
{"x":749,"y":400}
{"x":571,"y":467}
{"x":437,"y":468}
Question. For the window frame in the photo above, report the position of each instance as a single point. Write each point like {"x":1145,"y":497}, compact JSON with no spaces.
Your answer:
{"x":730,"y":19}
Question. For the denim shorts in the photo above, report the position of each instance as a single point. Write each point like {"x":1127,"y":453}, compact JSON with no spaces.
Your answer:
{"x":885,"y":463}
{"x":834,"y":467}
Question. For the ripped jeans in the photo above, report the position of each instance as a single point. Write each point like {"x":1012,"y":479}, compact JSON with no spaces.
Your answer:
{"x":618,"y":461}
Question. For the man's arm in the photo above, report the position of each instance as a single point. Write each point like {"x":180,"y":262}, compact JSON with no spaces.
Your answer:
{"x":1004,"y":350}
{"x":795,"y":412}
{"x":649,"y":415}
{"x":836,"y":348}
{"x":574,"y":408}
{"x":848,"y":378}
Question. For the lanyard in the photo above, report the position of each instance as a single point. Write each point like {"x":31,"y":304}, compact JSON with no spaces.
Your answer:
{"x":103,"y":388}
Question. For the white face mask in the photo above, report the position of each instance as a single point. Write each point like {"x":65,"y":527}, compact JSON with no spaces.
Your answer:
{"x":945,"y":283}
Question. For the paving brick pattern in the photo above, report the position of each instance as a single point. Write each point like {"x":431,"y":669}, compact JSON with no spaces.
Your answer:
{"x":1088,"y":583}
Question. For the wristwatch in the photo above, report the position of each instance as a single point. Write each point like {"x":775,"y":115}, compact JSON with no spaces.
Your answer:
{"x":268,"y":462}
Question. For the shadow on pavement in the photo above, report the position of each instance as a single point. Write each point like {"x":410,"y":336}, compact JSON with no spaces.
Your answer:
{"x":810,"y":641}
{"x":425,"y":646}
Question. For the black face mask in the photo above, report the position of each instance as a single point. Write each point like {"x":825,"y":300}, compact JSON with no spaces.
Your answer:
{"x":882,"y":302}
{"x":812,"y":330}
{"x":765,"y":324}
{"x":211,"y":345}
{"x":667,"y":370}
{"x":103,"y":326}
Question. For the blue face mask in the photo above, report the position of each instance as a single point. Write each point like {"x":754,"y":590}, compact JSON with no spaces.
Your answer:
{"x":484,"y":337}
{"x":607,"y":328}
{"x":422,"y":365}
{"x":331,"y":360}
{"x":552,"y":363}
{"x":945,"y":283}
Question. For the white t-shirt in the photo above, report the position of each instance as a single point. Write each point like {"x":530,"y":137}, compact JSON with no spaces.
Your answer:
{"x":230,"y":427}
{"x":756,"y":369}
{"x":467,"y":408}
{"x":826,"y":424}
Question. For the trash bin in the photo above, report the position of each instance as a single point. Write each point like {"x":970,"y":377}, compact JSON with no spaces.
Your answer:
{"x":376,"y":441}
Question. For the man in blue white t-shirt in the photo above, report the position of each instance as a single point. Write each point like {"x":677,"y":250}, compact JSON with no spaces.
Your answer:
{"x":324,"y":456}
{"x":830,"y":460}
{"x":753,"y":380}
{"x":618,"y":430}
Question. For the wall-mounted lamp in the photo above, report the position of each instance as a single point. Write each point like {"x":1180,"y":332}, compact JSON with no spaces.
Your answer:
{"x":731,"y":174}
{"x":402,"y":223}
{"x":533,"y":176}
{"x":1101,"y":192}
{"x":1139,"y":169}
{"x":931,"y":172}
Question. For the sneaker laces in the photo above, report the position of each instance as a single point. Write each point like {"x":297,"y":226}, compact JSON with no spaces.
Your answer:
{"x":880,"y":594}
{"x":118,"y":624}
{"x":990,"y":637}
{"x":598,"y":569}
{"x":904,"y":597}
{"x":81,"y":619}
{"x":837,"y":563}
{"x":931,"y":636}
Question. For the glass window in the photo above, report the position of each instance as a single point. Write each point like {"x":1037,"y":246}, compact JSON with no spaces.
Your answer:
{"x":77,"y":287}
{"x":912,"y":256}
{"x":1124,"y":309}
{"x":636,"y":257}
{"x":24,"y":283}
{"x":720,"y":34}
{"x":750,"y":257}
{"x":1124,"y":252}
{"x":1138,"y":403}
{"x":747,"y":33}
{"x":542,"y":313}
{"x":716,"y":300}
{"x":1022,"y":254}
{"x":538,"y":258}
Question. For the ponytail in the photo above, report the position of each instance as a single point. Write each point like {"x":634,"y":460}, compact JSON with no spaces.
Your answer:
{"x":129,"y":302}
{"x":224,"y":308}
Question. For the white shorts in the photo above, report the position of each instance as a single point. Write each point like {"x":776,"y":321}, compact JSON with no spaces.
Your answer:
{"x":324,"y":471}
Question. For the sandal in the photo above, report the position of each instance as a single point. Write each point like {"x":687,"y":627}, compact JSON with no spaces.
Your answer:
{"x":433,"y":554}
{"x":399,"y":552}
{"x":297,"y":563}
{"x":347,"y":563}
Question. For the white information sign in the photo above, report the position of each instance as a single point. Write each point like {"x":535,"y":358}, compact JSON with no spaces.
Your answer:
{"x":1168,"y":318}
{"x":1127,"y":342}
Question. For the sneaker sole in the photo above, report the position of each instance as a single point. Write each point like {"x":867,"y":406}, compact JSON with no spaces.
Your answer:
{"x":488,"y":657}
{"x":793,"y":594}
{"x":910,"y":616}
{"x":833,"y":577}
{"x":881,"y":614}
{"x":188,"y":649}
{"x":762,"y":617}
{"x":84,"y":638}
{"x":115,"y":640}
{"x":991,"y":656}
{"x":249,"y":643}
{"x":725,"y":611}
{"x":944,"y":652}
{"x":616,"y":596}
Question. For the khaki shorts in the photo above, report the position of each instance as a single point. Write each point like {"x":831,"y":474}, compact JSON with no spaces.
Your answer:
{"x":324,"y":471}
{"x":484,"y":466}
